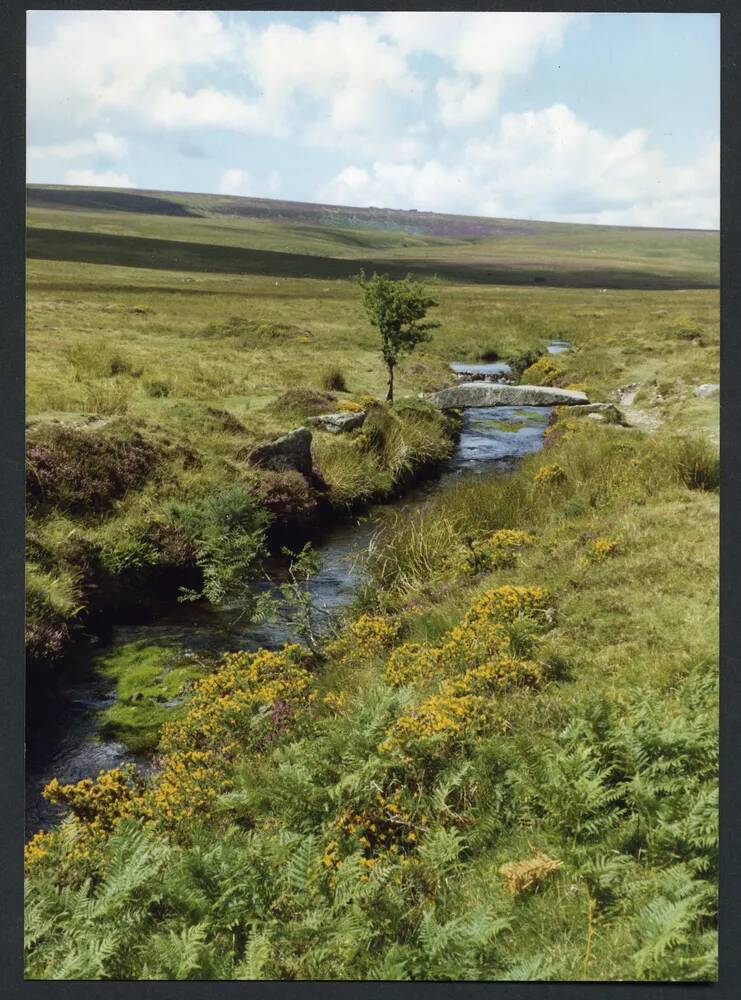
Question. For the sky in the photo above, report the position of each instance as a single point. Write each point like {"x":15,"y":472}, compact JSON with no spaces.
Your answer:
{"x":597,"y":118}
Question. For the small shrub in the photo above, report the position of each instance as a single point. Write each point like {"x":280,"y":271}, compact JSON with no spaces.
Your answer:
{"x":286,"y":495}
{"x":544,"y":371}
{"x":601,"y":549}
{"x":550,"y":475}
{"x":498,"y":551}
{"x":373,"y":633}
{"x":333,"y":380}
{"x":84,"y":470}
{"x":412,"y":662}
{"x":157,"y":389}
{"x":438,"y":724}
{"x":228,"y":533}
{"x":304,"y":402}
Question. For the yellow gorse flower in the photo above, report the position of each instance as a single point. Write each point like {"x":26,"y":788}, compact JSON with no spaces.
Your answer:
{"x":237,"y":708}
{"x":474,"y":662}
{"x":549,"y":475}
{"x":602,"y":548}
{"x":37,"y":849}
{"x":544,"y":371}
{"x":373,"y":632}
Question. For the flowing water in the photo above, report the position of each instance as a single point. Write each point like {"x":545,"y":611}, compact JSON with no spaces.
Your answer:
{"x":490,"y":371}
{"x":67,"y":743}
{"x":559,"y":346}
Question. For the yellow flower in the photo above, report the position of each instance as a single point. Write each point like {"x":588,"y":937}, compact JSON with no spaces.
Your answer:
{"x":544,"y":371}
{"x":548,"y":475}
{"x":602,"y":548}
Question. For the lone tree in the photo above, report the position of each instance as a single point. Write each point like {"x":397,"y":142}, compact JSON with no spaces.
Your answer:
{"x":397,"y":309}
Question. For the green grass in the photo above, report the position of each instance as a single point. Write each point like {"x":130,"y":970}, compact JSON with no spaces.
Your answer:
{"x":569,"y":270}
{"x":487,"y":249}
{"x":609,"y":766}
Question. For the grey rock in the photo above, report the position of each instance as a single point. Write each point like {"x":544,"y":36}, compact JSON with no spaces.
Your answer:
{"x":606,"y":412}
{"x":707,"y":389}
{"x":338,"y":423}
{"x":478,"y":394}
{"x":291,"y":452}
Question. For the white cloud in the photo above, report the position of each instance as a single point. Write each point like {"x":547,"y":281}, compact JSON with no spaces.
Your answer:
{"x":103,"y":146}
{"x":98,"y":178}
{"x":235,"y":181}
{"x":547,"y":164}
{"x":484,"y":51}
{"x":209,"y":108}
{"x":99,"y":62}
{"x":347,"y":79}
{"x":340,"y":75}
{"x":337,"y":79}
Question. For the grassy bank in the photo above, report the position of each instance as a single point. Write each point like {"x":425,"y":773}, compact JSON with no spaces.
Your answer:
{"x":124,"y":514}
{"x":503,"y":768}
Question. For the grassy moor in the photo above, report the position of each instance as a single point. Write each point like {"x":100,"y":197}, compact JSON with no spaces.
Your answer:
{"x":498,"y":761}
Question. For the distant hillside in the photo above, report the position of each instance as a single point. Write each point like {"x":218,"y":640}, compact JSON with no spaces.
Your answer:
{"x":224,"y":234}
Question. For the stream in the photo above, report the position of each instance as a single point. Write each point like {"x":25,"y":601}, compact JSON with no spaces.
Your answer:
{"x":67,"y":744}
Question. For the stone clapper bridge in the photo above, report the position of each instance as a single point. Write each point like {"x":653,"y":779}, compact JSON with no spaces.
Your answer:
{"x":293,"y":450}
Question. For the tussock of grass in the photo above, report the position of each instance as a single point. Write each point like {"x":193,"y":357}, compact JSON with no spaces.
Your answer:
{"x":333,"y":379}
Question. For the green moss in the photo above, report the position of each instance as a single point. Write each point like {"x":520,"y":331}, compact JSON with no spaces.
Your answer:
{"x":147,"y":677}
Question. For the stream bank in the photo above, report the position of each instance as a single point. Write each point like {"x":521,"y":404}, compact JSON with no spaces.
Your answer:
{"x":70,"y":740}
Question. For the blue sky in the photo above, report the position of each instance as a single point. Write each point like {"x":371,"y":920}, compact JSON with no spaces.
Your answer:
{"x":588,"y":118}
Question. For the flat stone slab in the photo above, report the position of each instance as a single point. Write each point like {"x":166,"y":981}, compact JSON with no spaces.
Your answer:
{"x":481,"y":394}
{"x":338,"y":423}
{"x":291,"y":452}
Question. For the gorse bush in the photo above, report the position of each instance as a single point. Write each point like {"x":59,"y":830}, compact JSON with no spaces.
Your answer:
{"x":544,"y":371}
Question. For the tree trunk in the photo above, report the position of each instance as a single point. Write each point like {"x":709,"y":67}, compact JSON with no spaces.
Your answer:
{"x":390,"y":393}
